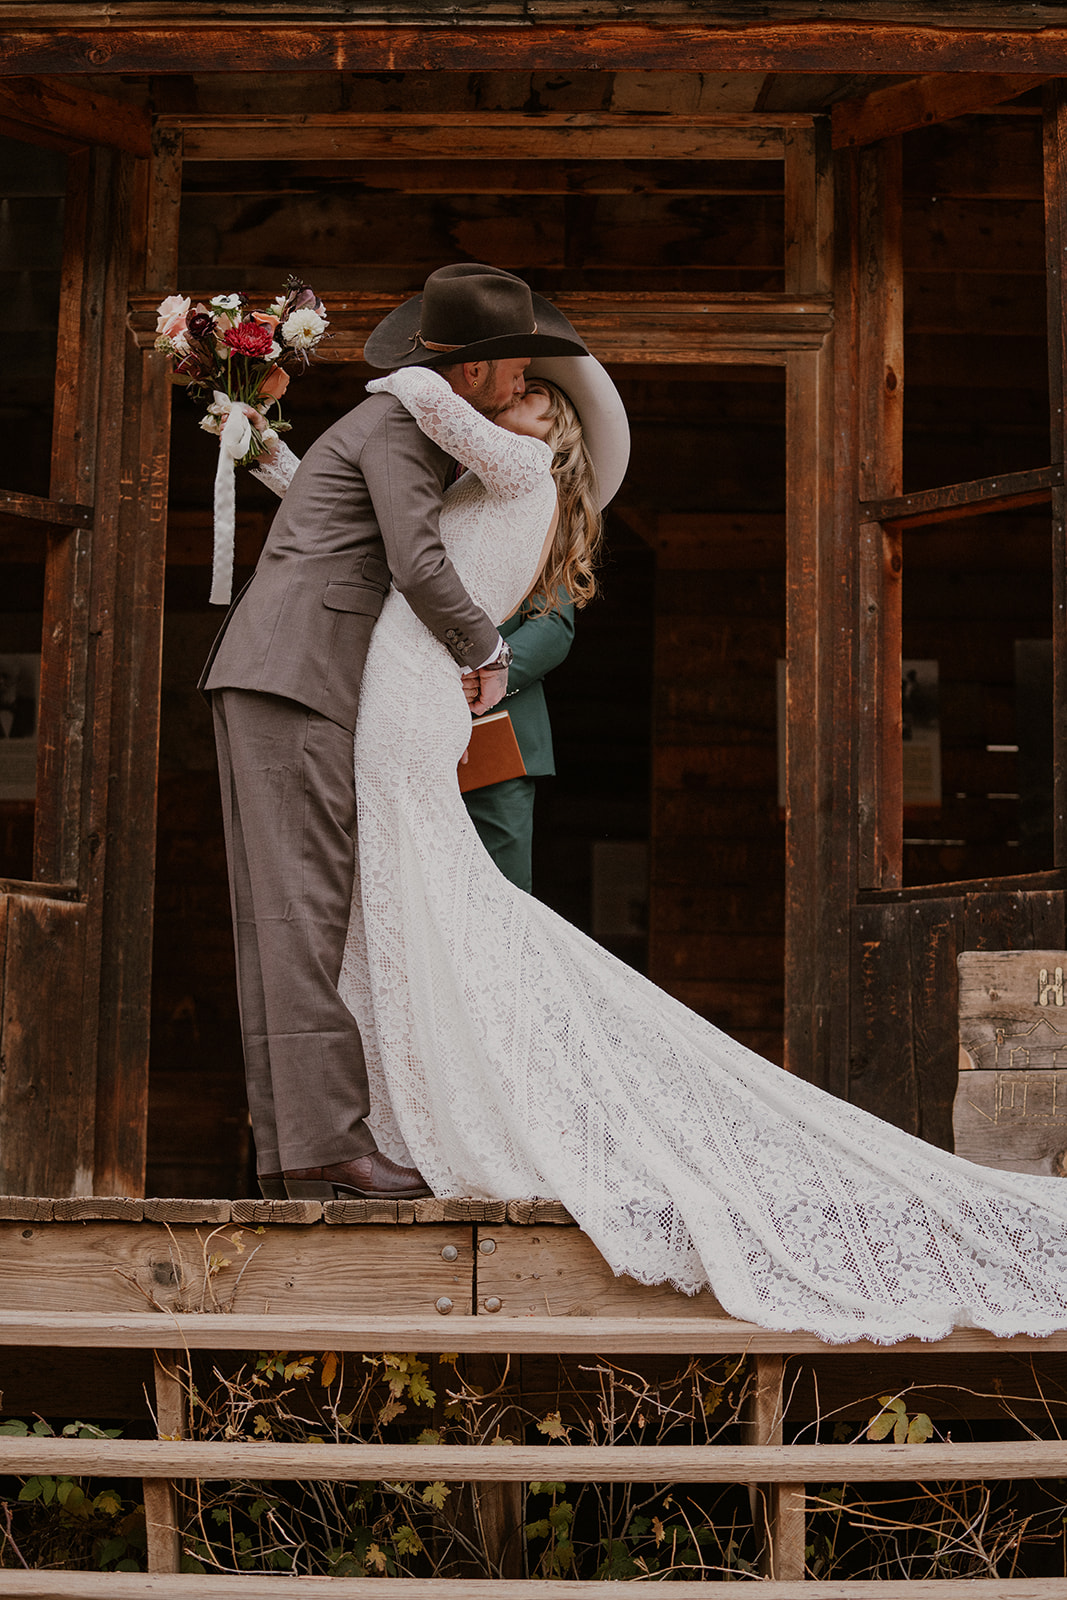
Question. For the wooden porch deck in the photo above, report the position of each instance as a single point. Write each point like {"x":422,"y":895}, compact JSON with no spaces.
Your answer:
{"x":161,"y":1279}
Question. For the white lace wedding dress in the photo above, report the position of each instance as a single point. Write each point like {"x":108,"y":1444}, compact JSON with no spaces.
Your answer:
{"x":510,"y":1056}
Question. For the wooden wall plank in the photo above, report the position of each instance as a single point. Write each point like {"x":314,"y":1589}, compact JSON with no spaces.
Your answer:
{"x":45,"y":1101}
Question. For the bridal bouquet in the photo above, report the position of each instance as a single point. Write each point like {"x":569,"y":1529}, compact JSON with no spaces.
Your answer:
{"x":238,"y":359}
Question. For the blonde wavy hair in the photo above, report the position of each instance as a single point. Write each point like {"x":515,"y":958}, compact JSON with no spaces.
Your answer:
{"x":569,"y":573}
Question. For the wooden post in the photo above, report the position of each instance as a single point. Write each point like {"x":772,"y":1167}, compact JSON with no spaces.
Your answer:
{"x":778,"y":1508}
{"x":810,"y":934}
{"x":876,"y":293}
{"x":160,"y":1498}
{"x":1055,"y":184}
{"x":138,"y":477}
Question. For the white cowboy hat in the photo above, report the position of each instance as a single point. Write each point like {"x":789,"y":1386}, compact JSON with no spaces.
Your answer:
{"x":598,"y":403}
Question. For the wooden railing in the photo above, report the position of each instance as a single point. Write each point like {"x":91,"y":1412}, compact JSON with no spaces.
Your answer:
{"x":75,"y":1261}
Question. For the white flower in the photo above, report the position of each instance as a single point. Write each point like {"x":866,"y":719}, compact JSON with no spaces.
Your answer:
{"x":211,"y":424}
{"x":227,"y":302}
{"x":302,"y":330}
{"x":172,"y":312}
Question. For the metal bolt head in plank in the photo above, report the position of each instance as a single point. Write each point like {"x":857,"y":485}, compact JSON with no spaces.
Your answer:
{"x":492,"y":1303}
{"x":444,"y":1305}
{"x":487,"y":1246}
{"x":449,"y":1253}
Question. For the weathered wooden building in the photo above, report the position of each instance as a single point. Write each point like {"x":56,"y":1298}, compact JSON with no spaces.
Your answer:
{"x":820,"y":249}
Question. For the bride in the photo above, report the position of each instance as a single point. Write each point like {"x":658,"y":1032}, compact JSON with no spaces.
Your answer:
{"x":532,"y":1062}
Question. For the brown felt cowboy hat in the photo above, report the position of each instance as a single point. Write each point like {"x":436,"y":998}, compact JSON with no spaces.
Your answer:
{"x":471,"y":312}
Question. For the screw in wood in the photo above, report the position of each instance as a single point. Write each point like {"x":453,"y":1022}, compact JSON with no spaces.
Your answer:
{"x":444,"y":1305}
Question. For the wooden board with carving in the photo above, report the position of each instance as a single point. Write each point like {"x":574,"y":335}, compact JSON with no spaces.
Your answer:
{"x":1011,"y":1104}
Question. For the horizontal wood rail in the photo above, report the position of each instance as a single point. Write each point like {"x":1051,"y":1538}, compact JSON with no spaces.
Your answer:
{"x":626,"y":328}
{"x":276,"y":1586}
{"x":31,"y":890}
{"x":491,"y":136}
{"x":610,"y":1463}
{"x":569,"y":1335}
{"x":59,"y":513}
{"x":1005,"y":492}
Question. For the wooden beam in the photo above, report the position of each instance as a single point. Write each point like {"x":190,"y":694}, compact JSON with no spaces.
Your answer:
{"x":266,"y":1461}
{"x":487,"y":176}
{"x":1055,"y":188}
{"x":934,"y":98}
{"x":77,"y":114}
{"x":53,"y":513}
{"x":520,"y":1335}
{"x":745,"y":329}
{"x":1004,"y":493}
{"x":490,"y":136}
{"x":400,"y":41}
{"x":69,"y":1585}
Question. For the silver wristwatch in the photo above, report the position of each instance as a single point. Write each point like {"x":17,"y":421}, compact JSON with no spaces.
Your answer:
{"x":503,"y":660}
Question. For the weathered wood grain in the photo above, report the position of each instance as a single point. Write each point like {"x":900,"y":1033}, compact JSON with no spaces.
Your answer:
{"x":624,"y":328}
{"x":790,"y":1464}
{"x":53,"y":513}
{"x":934,"y":97}
{"x":797,"y":45}
{"x":956,"y":500}
{"x":103,"y":1267}
{"x":559,"y":1273}
{"x":254,"y":1586}
{"x":357,"y":1330}
{"x":160,"y":1498}
{"x":45,"y":1138}
{"x":90,"y":117}
{"x":489,"y":135}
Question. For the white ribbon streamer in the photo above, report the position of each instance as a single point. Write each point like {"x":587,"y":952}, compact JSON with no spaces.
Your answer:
{"x":234,"y":440}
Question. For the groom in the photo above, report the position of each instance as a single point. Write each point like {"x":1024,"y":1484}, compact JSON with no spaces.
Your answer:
{"x":284,"y":678}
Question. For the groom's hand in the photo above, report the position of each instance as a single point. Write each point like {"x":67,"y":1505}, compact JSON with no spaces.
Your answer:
{"x":491,"y":685}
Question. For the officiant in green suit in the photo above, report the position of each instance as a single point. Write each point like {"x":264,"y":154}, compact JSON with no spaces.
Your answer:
{"x":503,"y":812}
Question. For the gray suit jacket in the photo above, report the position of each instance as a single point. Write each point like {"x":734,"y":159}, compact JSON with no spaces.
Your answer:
{"x":362,"y":509}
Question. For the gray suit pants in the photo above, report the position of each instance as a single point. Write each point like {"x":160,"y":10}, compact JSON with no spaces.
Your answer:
{"x":289,"y":812}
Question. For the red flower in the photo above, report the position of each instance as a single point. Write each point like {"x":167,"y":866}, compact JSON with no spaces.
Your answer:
{"x":249,"y":339}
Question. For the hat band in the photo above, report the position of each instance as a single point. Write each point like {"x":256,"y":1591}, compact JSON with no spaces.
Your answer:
{"x":430,"y":344}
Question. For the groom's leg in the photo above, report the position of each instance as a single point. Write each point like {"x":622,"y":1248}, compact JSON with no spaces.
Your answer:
{"x":293,"y":790}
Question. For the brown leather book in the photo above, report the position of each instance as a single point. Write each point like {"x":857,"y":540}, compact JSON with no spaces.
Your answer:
{"x":493,"y":755}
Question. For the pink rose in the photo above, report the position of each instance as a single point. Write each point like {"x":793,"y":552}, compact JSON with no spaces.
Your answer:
{"x":274,"y":384}
{"x":171,"y":315}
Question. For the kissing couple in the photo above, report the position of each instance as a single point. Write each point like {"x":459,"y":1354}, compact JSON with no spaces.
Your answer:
{"x":414,"y":1023}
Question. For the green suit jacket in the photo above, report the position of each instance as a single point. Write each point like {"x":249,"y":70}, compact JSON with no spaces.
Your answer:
{"x":539,"y":643}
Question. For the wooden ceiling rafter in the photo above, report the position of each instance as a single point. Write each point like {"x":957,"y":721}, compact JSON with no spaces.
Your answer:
{"x":935,"y":97}
{"x":70,"y":116}
{"x":398,"y":39}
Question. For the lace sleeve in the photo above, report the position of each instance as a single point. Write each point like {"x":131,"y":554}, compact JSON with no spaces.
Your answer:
{"x":509,"y":464}
{"x":279,"y":473}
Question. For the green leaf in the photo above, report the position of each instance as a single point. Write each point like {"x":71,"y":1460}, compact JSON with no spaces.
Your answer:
{"x":435,"y":1494}
{"x":547,"y":1488}
{"x":108,"y":1502}
{"x":921,"y":1428}
{"x":131,"y":1566}
{"x":538,"y":1530}
{"x":32,"y":1489}
{"x":14,"y":1427}
{"x":110,"y":1550}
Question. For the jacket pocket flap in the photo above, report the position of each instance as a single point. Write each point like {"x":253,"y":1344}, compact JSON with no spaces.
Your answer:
{"x":358,"y":597}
